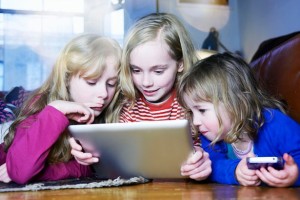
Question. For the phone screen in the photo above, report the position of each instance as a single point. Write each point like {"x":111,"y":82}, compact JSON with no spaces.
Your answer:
{"x":258,"y":162}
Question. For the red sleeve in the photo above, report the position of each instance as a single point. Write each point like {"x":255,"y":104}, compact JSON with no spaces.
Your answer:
{"x":33,"y":139}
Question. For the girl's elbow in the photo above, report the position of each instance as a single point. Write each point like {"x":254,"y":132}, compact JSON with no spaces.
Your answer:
{"x":19,"y":175}
{"x":20,"y":179}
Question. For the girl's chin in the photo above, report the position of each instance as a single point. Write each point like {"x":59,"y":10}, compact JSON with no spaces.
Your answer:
{"x":97,"y":113}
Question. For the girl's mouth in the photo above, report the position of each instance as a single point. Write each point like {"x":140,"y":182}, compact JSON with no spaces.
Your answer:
{"x":203,"y":132}
{"x":97,"y":108}
{"x":149,"y":92}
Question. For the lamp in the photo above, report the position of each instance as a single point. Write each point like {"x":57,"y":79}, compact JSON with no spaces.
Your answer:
{"x":212,"y":41}
{"x":117,"y":4}
{"x":204,"y":53}
{"x":204,"y":14}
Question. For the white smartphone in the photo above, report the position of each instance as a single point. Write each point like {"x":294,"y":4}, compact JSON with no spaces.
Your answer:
{"x":258,"y":162}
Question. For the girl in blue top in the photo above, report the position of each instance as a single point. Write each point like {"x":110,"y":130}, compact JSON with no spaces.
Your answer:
{"x":237,"y":119}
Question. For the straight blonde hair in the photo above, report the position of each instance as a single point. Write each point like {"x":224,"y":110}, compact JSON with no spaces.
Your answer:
{"x":146,"y":29}
{"x":81,"y":54}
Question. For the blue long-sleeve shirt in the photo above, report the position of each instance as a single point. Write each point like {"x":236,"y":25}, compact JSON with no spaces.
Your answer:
{"x":280,"y":134}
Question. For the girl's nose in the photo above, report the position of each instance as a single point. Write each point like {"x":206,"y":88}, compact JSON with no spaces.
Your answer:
{"x":102,"y":91}
{"x":147,"y":81}
{"x":197,"y":121}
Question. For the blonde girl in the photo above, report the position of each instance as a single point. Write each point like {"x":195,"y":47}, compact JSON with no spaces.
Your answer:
{"x":157,"y":52}
{"x":79,"y":90}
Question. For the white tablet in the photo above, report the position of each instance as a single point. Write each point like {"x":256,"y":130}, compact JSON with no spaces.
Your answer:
{"x":153,"y":149}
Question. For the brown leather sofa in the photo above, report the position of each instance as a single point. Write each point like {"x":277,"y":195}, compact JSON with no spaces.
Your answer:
{"x":277,"y":64}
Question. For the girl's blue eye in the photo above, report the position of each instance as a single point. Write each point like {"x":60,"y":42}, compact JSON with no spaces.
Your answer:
{"x":202,"y":110}
{"x":134,"y":70}
{"x":112,"y":84}
{"x":159,"y":71}
{"x":91,"y":82}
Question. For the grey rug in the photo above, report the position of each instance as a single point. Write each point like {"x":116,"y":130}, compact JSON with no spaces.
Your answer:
{"x":71,"y":184}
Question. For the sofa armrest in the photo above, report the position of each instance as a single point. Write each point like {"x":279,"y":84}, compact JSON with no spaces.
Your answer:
{"x":279,"y":71}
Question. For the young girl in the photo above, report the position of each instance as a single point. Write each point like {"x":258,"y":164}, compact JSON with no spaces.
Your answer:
{"x":236,"y":119}
{"x":157,"y":51}
{"x":79,"y":89}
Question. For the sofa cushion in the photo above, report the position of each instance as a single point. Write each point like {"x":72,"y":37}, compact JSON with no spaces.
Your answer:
{"x":16,"y":96}
{"x":6,"y":112}
{"x":11,"y":102}
{"x":279,"y":71}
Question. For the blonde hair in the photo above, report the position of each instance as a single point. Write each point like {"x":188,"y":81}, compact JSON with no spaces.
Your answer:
{"x":81,"y":54}
{"x":226,"y":78}
{"x":146,"y":29}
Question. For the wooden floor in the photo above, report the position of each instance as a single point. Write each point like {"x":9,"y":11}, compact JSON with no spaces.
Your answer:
{"x":162,"y":190}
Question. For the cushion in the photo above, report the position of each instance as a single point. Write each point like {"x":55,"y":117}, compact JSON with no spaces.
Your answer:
{"x":11,"y":102}
{"x":6,"y":113}
{"x":279,"y":69}
{"x":16,"y":96}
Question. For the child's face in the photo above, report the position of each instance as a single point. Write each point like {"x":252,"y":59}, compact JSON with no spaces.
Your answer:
{"x":95,"y":93}
{"x":153,"y":70}
{"x":205,"y":118}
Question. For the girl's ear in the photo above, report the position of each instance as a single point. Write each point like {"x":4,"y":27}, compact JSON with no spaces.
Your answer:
{"x":180,"y":66}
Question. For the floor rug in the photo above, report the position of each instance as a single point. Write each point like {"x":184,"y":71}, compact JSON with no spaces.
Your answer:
{"x":71,"y":184}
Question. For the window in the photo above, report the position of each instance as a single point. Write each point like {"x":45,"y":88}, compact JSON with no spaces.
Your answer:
{"x":32,"y":33}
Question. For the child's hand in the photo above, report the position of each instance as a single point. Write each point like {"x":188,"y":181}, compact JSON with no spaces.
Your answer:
{"x":245,"y":176}
{"x":3,"y":174}
{"x":280,"y":178}
{"x":197,"y":166}
{"x":81,"y":157}
{"x":75,"y":111}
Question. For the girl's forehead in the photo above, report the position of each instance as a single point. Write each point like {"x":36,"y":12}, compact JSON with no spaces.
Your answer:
{"x":189,"y":99}
{"x":195,"y":93}
{"x":152,"y":53}
{"x":157,"y":44}
{"x":106,"y":72}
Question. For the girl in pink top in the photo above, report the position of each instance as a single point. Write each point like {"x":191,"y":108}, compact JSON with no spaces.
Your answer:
{"x":80,"y":88}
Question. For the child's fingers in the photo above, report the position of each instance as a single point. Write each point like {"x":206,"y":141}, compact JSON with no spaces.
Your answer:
{"x":87,"y":115}
{"x":197,"y":171}
{"x":74,"y":144}
{"x":289,"y":160}
{"x":80,"y":113}
{"x":263,"y":176}
{"x":197,"y":167}
{"x":81,"y":155}
{"x":198,"y":162}
{"x":201,"y":174}
{"x":88,"y":161}
{"x":195,"y":157}
{"x":190,"y":167}
{"x":84,"y":158}
{"x":92,"y":118}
